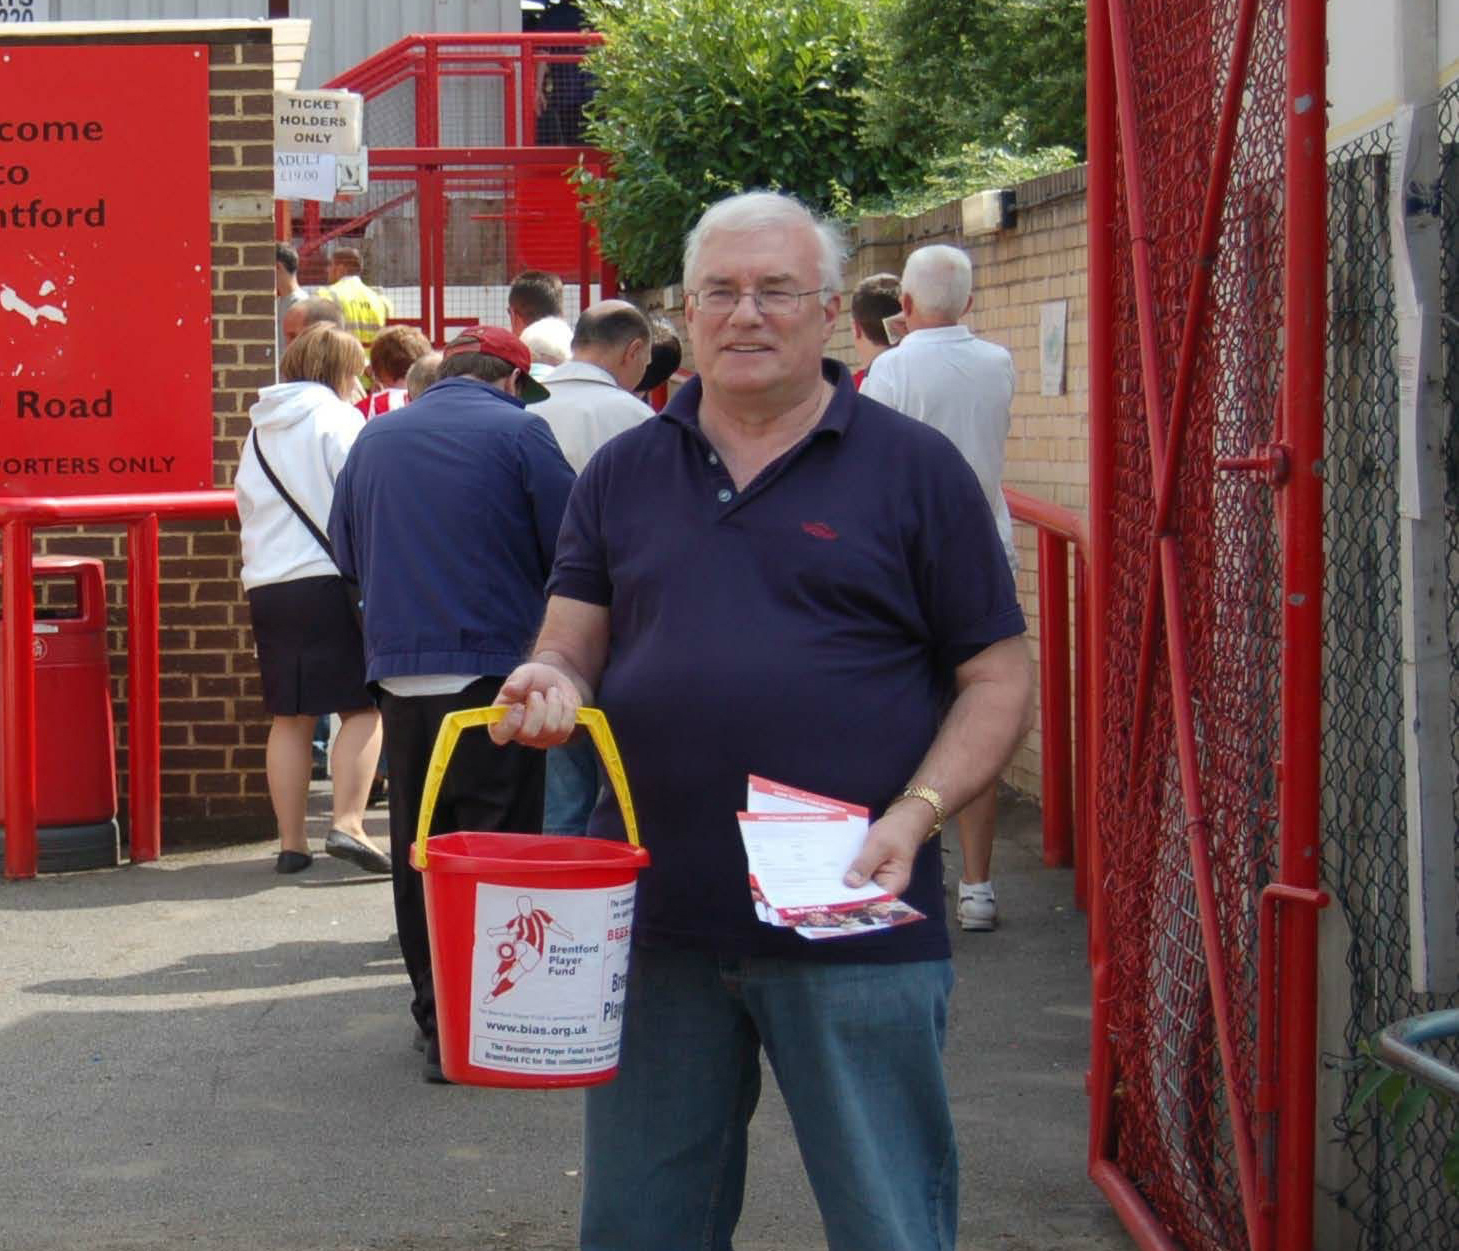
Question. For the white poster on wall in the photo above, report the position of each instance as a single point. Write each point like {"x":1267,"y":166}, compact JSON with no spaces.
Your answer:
{"x":1053,"y":317}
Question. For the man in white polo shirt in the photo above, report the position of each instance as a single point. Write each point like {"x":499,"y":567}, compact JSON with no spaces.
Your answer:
{"x":941,"y":373}
{"x":591,"y":396}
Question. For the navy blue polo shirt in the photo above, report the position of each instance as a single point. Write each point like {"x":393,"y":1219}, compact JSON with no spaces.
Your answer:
{"x":805,"y":629}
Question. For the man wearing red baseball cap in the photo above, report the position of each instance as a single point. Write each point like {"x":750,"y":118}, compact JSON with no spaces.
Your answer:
{"x":446,"y":512}
{"x":501,"y":345}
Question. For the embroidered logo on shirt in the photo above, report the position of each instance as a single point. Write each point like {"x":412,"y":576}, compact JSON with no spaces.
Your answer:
{"x":818,"y":530}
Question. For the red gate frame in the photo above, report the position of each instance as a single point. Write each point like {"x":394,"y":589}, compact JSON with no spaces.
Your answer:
{"x":1276,"y":1169}
{"x":19,"y":519}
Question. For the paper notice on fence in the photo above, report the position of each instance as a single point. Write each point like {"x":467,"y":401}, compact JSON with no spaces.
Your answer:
{"x":799,"y":846}
{"x":304,"y":176}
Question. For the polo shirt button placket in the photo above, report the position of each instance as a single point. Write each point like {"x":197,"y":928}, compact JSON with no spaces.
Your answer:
{"x":713,"y":458}
{"x":725,"y":495}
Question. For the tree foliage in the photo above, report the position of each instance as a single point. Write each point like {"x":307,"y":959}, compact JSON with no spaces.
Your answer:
{"x":853,"y":105}
{"x":961,"y":71}
{"x":701,"y":98}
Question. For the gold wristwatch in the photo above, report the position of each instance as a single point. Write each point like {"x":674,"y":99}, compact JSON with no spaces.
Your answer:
{"x":939,"y":810}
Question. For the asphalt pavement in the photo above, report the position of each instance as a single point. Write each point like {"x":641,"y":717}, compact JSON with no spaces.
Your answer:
{"x":201,"y":1054}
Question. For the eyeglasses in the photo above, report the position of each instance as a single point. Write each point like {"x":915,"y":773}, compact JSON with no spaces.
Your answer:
{"x":772,"y":302}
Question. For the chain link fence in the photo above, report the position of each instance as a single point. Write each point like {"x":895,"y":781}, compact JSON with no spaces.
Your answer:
{"x":1396,"y":1198}
{"x":1181,"y":1107}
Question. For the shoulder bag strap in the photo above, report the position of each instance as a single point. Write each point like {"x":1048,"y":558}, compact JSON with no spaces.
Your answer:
{"x":319,"y":536}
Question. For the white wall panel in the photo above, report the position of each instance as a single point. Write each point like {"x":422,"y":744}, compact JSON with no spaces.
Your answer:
{"x":346,"y":32}
{"x":1362,"y":70}
{"x":155,"y":10}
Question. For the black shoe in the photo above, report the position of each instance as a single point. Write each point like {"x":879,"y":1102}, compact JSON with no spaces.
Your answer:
{"x":420,"y":1039}
{"x":292,"y":861}
{"x":347,"y":847}
{"x":431,"y":1070}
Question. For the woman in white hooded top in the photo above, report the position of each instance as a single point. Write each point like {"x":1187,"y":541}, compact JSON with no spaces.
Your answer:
{"x":310,"y":651}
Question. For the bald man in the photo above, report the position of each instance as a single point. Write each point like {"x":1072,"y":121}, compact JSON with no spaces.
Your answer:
{"x":943,"y":374}
{"x":591,"y":396}
{"x":298,"y":317}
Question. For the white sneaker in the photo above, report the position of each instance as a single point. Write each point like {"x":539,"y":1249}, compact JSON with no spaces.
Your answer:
{"x":977,"y":907}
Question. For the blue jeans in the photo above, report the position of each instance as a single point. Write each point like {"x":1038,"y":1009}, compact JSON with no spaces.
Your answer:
{"x":857,"y":1052}
{"x":572,"y":786}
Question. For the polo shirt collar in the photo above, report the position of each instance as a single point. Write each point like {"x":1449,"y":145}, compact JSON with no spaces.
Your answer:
{"x":938,"y":334}
{"x":458,"y":382}
{"x":683,"y":408}
{"x":579,"y":371}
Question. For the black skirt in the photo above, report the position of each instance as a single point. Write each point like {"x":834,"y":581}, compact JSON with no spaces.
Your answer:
{"x":309,"y":648}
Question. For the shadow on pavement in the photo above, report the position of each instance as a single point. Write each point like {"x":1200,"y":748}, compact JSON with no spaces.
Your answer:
{"x":283,"y":964}
{"x":169,"y":880}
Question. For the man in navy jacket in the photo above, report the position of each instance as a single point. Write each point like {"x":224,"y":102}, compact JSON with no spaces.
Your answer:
{"x":447,"y":513}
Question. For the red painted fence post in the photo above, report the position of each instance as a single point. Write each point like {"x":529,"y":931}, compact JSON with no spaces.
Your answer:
{"x":18,"y":714}
{"x":1304,"y":298}
{"x":1102,"y":209}
{"x":144,"y":711}
{"x":1055,"y":755}
{"x":1083,"y":781}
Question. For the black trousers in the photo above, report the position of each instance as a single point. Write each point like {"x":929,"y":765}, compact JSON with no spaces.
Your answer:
{"x":486,"y":787}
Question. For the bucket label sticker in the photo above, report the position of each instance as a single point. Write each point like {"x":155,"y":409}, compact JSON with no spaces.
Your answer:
{"x":549,"y":974}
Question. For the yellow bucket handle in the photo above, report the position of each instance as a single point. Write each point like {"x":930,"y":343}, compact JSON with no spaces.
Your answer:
{"x":452,"y":725}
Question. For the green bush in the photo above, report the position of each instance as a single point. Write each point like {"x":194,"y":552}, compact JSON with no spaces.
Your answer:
{"x":960,"y":71}
{"x":856,"y":106}
{"x":701,"y":98}
{"x":1406,"y":1102}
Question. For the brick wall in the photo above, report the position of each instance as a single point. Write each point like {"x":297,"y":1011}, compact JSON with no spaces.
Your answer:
{"x":213,"y":722}
{"x":1043,"y":257}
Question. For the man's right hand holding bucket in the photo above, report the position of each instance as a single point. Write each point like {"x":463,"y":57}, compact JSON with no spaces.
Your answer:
{"x":543,"y":706}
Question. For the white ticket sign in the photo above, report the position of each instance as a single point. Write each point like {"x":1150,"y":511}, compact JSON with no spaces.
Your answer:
{"x":319,"y":121}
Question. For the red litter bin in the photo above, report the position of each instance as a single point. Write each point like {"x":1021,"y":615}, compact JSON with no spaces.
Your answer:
{"x":76,"y":777}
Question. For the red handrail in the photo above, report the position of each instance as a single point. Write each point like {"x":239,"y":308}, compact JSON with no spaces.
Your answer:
{"x":19,"y":519}
{"x":1064,"y":759}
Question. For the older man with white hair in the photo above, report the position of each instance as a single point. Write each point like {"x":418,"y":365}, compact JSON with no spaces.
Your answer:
{"x":942,"y":374}
{"x":777,"y":576}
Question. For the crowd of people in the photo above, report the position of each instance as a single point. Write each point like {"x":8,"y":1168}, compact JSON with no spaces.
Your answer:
{"x":789,"y":571}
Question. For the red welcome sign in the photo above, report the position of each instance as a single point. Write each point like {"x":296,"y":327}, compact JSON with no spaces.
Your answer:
{"x":105,"y":270}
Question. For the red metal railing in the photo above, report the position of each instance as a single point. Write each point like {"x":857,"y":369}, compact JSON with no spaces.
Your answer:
{"x":1065,"y":729}
{"x":141,"y":514}
{"x":423,"y":60}
{"x":518,"y":172}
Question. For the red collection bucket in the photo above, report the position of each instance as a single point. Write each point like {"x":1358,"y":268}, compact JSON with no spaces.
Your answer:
{"x":529,"y":936}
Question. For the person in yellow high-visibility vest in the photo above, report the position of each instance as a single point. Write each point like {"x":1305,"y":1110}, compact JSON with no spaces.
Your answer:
{"x":365,"y":309}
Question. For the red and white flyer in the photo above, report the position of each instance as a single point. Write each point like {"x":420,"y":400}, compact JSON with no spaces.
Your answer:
{"x":763,"y":795}
{"x":799,"y":846}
